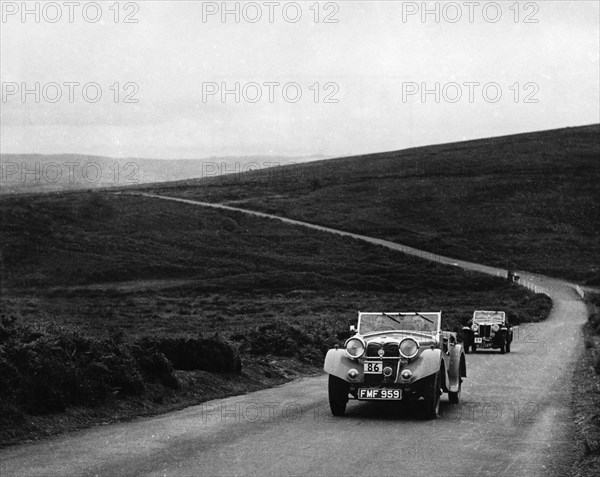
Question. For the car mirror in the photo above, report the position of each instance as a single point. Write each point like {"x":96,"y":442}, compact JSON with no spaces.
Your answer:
{"x":352,"y":329}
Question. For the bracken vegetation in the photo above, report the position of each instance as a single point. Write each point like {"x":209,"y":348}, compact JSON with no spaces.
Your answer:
{"x":586,"y":394}
{"x":46,"y":367}
{"x":593,"y":329}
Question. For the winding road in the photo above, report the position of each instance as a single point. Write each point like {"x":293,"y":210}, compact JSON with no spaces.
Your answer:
{"x":514,"y":417}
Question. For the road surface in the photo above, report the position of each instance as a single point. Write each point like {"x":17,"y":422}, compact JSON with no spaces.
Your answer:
{"x":514,"y":418}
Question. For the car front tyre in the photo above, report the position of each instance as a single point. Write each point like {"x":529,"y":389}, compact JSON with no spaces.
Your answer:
{"x":432,"y":397}
{"x":338,"y":395}
{"x":455,"y":396}
{"x":503,"y":345}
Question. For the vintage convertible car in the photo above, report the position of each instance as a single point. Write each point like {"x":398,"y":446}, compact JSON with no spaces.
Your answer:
{"x":488,"y":329}
{"x":394,"y":357}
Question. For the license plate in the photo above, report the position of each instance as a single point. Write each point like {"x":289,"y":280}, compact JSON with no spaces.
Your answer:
{"x":380,"y":394}
{"x":478,"y":340}
{"x":373,"y":367}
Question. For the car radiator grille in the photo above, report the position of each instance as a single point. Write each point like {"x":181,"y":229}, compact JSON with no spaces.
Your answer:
{"x":390,"y":350}
{"x":485,"y":331}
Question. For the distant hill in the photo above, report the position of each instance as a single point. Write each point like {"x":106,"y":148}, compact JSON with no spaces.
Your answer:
{"x":46,"y":173}
{"x":528,"y":201}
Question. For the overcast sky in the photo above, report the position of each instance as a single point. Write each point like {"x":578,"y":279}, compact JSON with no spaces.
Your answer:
{"x":368,"y":67}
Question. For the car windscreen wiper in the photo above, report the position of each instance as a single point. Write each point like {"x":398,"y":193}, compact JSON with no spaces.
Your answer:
{"x":392,"y":318}
{"x":424,"y":317}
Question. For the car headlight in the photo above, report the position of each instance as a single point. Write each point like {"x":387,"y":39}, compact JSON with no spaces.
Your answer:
{"x":355,"y":347}
{"x":495,"y":327}
{"x":408,"y":348}
{"x":475,"y":327}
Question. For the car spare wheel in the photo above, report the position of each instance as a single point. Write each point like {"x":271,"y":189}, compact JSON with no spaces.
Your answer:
{"x":338,"y":395}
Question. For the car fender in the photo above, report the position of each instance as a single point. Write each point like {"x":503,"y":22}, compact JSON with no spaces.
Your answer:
{"x":457,"y":367}
{"x":338,"y":364}
{"x":427,"y":363}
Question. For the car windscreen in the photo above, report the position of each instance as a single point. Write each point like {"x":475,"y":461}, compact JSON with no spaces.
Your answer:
{"x":487,"y":317}
{"x":378,"y":322}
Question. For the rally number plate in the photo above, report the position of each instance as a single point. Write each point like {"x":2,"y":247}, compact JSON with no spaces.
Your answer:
{"x":478,"y":340}
{"x":380,"y":394}
{"x":373,"y":367}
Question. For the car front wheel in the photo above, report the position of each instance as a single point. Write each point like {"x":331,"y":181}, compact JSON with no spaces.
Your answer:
{"x":432,"y":397}
{"x":338,"y":395}
{"x":502,"y":345}
{"x":455,"y":396}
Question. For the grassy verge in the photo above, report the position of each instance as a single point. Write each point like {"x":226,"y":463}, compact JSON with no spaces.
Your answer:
{"x":587,"y":394}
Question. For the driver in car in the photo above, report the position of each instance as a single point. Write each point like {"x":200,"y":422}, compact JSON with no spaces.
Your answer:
{"x":381,"y":323}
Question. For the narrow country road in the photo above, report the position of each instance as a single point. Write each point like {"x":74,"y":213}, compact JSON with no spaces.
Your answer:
{"x":514,"y":418}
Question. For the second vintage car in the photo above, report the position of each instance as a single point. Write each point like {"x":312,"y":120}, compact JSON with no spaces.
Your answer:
{"x":395,"y":357}
{"x":488,"y":329}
